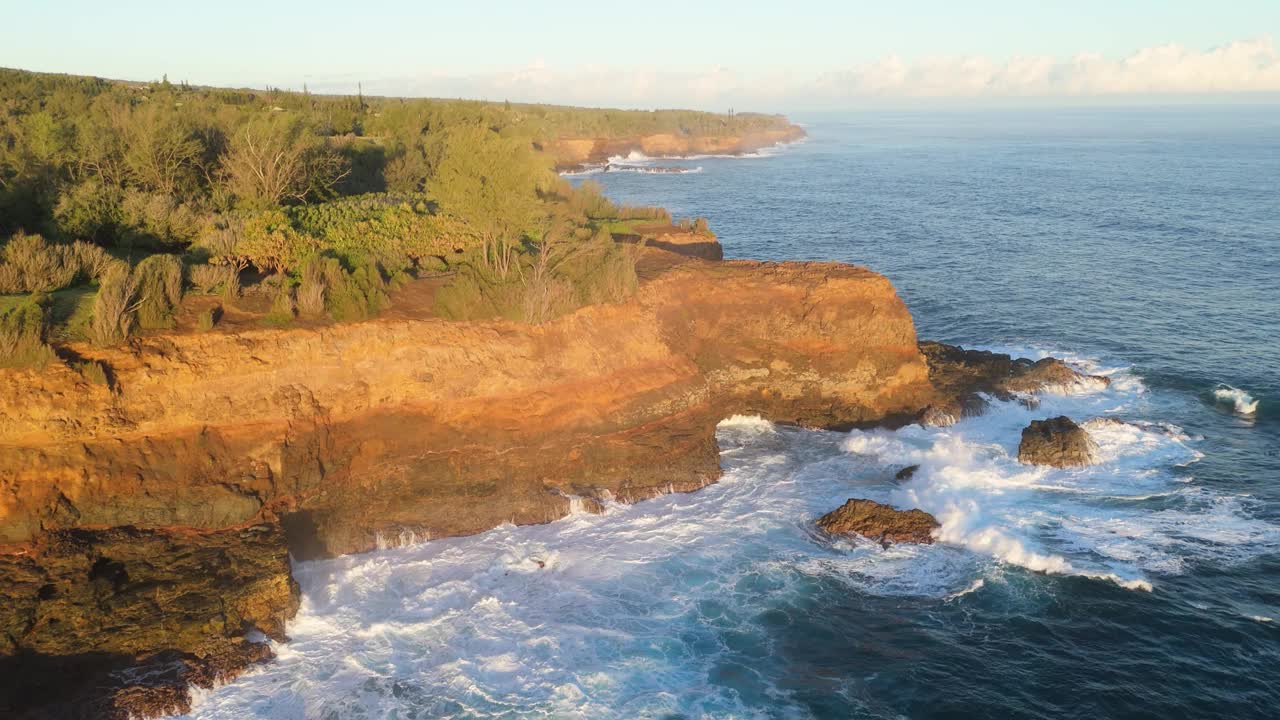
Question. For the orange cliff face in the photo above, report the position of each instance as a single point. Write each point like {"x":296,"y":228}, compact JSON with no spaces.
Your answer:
{"x":570,"y":153}
{"x":442,"y":428}
{"x":218,"y":454}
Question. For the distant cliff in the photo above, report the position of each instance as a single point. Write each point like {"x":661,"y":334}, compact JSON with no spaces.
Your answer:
{"x":577,"y":152}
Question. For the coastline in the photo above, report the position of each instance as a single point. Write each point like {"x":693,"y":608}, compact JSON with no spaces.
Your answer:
{"x":575,"y":155}
{"x":250,"y":448}
{"x":346,"y":438}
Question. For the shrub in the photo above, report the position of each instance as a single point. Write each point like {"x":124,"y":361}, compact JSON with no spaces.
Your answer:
{"x":588,"y":199}
{"x":36,"y":266}
{"x":700,"y":226}
{"x":568,"y":273}
{"x":271,"y":243}
{"x":22,"y":336}
{"x":93,"y":371}
{"x":231,"y":285}
{"x":28,"y":263}
{"x":602,"y":270}
{"x":159,"y":282}
{"x":89,"y":210}
{"x":546,"y":298}
{"x":11,"y":280}
{"x":208,"y":318}
{"x":282,"y":307}
{"x":113,"y":308}
{"x":153,"y":220}
{"x":358,"y":295}
{"x":631,"y":212}
{"x":207,"y":279}
{"x":92,"y":260}
{"x":314,"y":284}
{"x":472,"y":295}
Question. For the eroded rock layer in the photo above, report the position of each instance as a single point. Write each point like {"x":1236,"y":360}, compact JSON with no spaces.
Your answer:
{"x":151,"y":516}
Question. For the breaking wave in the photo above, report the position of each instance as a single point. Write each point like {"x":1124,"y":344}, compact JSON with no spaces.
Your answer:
{"x":638,"y":162}
{"x":670,"y":607}
{"x":1240,"y":402}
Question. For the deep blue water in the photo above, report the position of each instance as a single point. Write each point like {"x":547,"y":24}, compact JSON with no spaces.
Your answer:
{"x":1143,"y":244}
{"x":1150,"y":237}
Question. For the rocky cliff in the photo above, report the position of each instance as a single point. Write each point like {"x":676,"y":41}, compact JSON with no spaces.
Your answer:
{"x":167,"y":501}
{"x":571,"y":153}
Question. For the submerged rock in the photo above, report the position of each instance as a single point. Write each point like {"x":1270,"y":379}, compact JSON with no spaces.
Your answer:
{"x":1058,"y":442}
{"x":906,"y":473}
{"x":875,"y":521}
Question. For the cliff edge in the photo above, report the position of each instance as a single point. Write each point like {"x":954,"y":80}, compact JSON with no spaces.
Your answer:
{"x":169,"y":501}
{"x":571,"y":153}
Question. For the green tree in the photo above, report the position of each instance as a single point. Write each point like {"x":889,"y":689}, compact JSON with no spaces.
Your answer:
{"x":490,"y":183}
{"x":275,"y":158}
{"x":161,"y":153}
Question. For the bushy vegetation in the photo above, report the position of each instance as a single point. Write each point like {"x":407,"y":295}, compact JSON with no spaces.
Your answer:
{"x":114,"y":305}
{"x":208,"y":318}
{"x":159,"y":280}
{"x":93,"y":371}
{"x":22,"y":335}
{"x":119,"y":197}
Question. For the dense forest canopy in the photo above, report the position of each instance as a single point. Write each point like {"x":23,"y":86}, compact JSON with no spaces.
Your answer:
{"x":117,"y":199}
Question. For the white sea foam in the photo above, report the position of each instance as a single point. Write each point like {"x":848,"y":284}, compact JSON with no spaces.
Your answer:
{"x":643,"y":611}
{"x":636,"y":161}
{"x":1241,"y":402}
{"x":975,"y":586}
{"x":1094,"y":521}
{"x":654,"y":170}
{"x":635,"y":157}
{"x":750,"y":422}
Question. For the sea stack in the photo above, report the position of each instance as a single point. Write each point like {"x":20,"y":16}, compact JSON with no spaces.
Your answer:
{"x":1058,"y":442}
{"x":876,"y":521}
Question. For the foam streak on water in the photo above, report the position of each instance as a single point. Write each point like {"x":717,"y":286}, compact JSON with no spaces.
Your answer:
{"x":664,"y":608}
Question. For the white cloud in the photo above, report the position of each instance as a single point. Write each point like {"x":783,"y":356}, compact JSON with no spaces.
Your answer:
{"x":1244,"y":66}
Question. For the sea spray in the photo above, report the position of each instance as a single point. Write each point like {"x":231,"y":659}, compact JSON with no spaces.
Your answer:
{"x":678,"y":606}
{"x":1056,"y":521}
{"x":1240,"y":402}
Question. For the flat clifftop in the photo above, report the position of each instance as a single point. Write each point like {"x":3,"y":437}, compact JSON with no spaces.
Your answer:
{"x":576,"y":152}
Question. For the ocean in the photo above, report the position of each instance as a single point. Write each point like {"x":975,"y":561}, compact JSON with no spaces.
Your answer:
{"x":1141,"y":244}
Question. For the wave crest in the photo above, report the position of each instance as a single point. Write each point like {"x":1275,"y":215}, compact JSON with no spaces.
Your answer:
{"x":1240,"y":401}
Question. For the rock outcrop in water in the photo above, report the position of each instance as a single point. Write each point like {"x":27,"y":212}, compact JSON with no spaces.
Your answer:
{"x":879,"y":522}
{"x":962,"y":377}
{"x":1058,"y":442}
{"x":146,"y":525}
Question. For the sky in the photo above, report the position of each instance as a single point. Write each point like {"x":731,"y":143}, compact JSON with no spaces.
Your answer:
{"x":776,"y":56}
